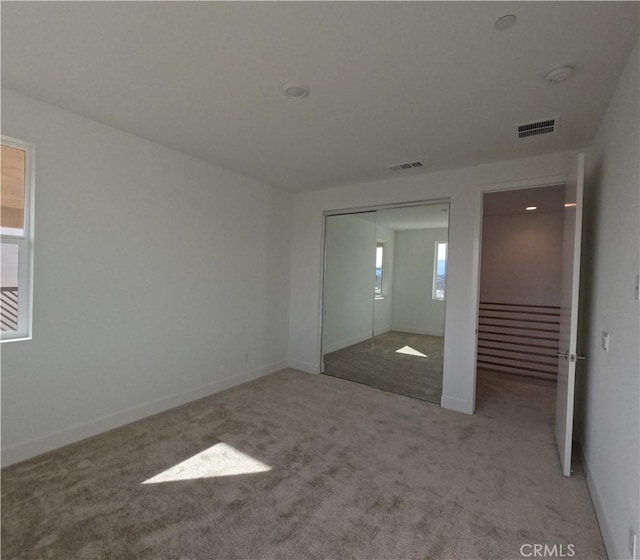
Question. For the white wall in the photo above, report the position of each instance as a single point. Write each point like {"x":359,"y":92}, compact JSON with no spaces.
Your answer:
{"x":522,"y":258}
{"x":464,"y":189}
{"x":159,"y":278}
{"x":414,"y":309}
{"x":609,"y":383}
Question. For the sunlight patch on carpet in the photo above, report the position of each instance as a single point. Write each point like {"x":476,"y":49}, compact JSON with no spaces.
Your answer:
{"x":218,"y":460}
{"x":410,"y":352}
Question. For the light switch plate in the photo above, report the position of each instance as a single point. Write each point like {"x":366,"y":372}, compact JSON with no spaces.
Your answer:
{"x":605,"y":341}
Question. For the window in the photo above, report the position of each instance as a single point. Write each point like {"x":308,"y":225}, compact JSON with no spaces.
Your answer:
{"x":377,"y":289}
{"x":16,"y":179}
{"x":440,"y":270}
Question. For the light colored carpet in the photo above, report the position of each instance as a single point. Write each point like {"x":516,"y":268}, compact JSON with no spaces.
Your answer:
{"x":382,"y":367}
{"x":354,"y":473}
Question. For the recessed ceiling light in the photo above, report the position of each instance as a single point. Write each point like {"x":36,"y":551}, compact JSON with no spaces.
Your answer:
{"x":531,"y":208}
{"x":505,"y":22}
{"x":295,"y":90}
{"x":559,"y":74}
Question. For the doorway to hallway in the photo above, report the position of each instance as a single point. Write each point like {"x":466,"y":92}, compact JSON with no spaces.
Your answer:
{"x":530,"y":301}
{"x":520,"y":283}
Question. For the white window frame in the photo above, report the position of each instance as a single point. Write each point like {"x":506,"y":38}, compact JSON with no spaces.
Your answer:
{"x":435,"y":271}
{"x":380,"y":295}
{"x":25,"y":246}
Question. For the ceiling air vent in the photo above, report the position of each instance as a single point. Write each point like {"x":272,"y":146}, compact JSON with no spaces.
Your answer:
{"x":539,"y":127}
{"x":406,"y":166}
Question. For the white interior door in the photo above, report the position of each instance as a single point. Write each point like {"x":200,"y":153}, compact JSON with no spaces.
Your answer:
{"x":567,"y":353}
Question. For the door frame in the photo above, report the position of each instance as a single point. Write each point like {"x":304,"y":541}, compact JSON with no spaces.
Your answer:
{"x":541,"y":182}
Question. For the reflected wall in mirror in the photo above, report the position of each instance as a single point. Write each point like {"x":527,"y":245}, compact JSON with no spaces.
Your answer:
{"x":384,"y":298}
{"x":350,"y":242}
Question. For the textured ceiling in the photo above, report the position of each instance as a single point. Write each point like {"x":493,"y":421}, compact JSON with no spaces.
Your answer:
{"x":390,"y":81}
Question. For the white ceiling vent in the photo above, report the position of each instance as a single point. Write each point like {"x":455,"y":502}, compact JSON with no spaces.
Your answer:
{"x":406,"y":166}
{"x":538,"y":127}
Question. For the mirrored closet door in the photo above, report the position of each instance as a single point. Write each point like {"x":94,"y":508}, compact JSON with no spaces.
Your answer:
{"x":384,"y":298}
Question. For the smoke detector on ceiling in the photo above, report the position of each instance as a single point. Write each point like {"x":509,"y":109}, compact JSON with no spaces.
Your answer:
{"x":295,"y":90}
{"x":505,"y":22}
{"x":559,"y":74}
{"x":535,"y":128}
{"x":406,"y":166}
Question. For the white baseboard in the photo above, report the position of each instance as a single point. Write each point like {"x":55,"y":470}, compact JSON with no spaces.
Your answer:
{"x":31,"y":448}
{"x":345,"y":343}
{"x":410,"y":330}
{"x":605,"y":528}
{"x":355,"y":340}
{"x":459,"y":405}
{"x":304,"y":366}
